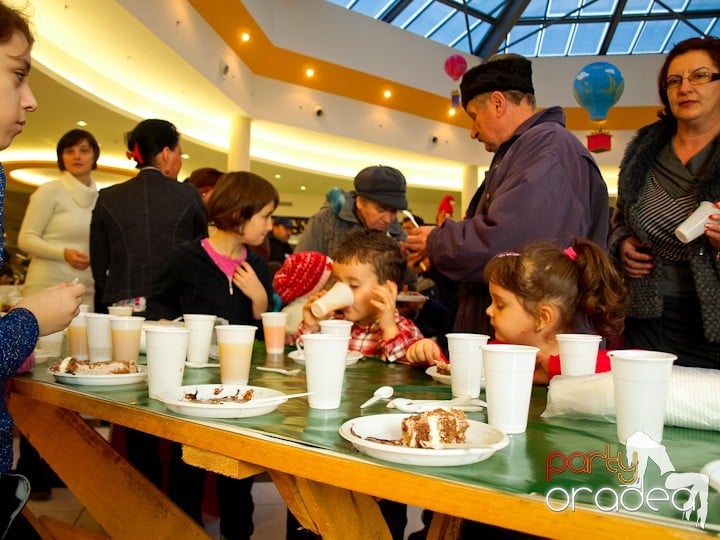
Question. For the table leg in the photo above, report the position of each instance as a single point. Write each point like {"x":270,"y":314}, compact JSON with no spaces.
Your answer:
{"x":122,"y":500}
{"x":444,"y":527}
{"x":332,"y":512}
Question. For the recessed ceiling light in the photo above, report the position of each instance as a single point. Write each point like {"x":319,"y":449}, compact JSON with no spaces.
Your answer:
{"x":81,"y":123}
{"x":387,"y":94}
{"x":185,"y":156}
{"x":309,"y":72}
{"x":277,"y":177}
{"x":452,"y":111}
{"x":302,"y":188}
{"x":245,"y":37}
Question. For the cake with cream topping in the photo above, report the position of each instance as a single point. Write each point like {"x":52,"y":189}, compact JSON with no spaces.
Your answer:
{"x":434,"y":429}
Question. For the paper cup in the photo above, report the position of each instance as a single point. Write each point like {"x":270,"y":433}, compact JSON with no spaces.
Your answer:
{"x":52,"y":343}
{"x":120,"y":311}
{"x":99,"y":338}
{"x":166,"y":350}
{"x":77,"y":337}
{"x":508,"y":385}
{"x":336,"y":327}
{"x":694,"y":225}
{"x":274,"y":331}
{"x":339,"y":296}
{"x":466,"y":363}
{"x":125,"y":335}
{"x":201,"y":333}
{"x":640,"y":380}
{"x":324,"y":368}
{"x":578,"y":353}
{"x":235,"y":346}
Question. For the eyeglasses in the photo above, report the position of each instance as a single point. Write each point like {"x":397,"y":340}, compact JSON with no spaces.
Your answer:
{"x":702,"y":77}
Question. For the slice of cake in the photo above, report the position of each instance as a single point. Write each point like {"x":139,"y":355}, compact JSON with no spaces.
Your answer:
{"x":82,"y":367}
{"x":434,"y":429}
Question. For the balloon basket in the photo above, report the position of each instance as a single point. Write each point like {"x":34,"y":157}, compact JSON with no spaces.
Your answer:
{"x":599,"y":141}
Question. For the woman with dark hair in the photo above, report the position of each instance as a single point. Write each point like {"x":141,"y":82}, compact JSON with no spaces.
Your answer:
{"x":668,"y":169}
{"x":136,"y":224}
{"x":55,"y":231}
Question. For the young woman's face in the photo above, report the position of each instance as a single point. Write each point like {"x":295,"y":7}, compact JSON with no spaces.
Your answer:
{"x":254,"y":231}
{"x":17,"y":98}
{"x":512,"y":323}
{"x":79,"y":159}
{"x":361,"y":278}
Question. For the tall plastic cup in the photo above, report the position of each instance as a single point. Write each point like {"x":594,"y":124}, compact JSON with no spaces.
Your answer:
{"x":201,"y":332}
{"x":99,"y":338}
{"x":235,"y":346}
{"x":578,"y":353}
{"x":125,"y":334}
{"x":466,"y":363}
{"x":166,"y":350}
{"x":339,"y":296}
{"x":274,"y":331}
{"x":324,"y":368}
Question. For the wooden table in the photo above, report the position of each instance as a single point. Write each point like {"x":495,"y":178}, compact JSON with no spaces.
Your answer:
{"x":329,"y":486}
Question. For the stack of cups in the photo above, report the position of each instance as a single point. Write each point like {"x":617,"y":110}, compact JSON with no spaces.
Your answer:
{"x":166,"y":350}
{"x":201,"y":333}
{"x":77,"y":335}
{"x":508,"y":385}
{"x":274,"y":332}
{"x":125,"y":336}
{"x":324,"y":368}
{"x":578,"y":353}
{"x":466,"y":363}
{"x":99,"y":337}
{"x":235,"y":346}
{"x":339,"y":296}
{"x":640,"y":381}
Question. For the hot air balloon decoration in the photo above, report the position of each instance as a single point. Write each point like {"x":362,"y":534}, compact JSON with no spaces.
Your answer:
{"x":455,"y":67}
{"x":597,"y":87}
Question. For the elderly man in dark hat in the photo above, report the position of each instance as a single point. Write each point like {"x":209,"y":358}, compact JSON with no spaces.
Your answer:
{"x":379,"y":194}
{"x":280,"y":248}
{"x":542,"y":184}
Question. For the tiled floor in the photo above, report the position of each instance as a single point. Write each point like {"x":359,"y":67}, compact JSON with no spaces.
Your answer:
{"x":269,"y":515}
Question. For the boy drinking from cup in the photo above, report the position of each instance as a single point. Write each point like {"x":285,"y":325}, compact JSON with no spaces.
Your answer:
{"x":372,"y":265}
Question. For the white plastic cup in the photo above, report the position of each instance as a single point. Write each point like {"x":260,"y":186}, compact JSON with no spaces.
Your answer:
{"x":694,"y":225}
{"x":640,"y":381}
{"x":52,"y":343}
{"x":339,"y":296}
{"x":578,"y":353}
{"x":235,"y":346}
{"x":336,"y":327}
{"x":508,"y":385}
{"x":274,"y":331}
{"x":99,"y":338}
{"x":166,"y":350}
{"x":466,"y":363}
{"x":77,"y":337}
{"x":120,"y":311}
{"x":324,"y":368}
{"x":125,"y":335}
{"x":201,"y":333}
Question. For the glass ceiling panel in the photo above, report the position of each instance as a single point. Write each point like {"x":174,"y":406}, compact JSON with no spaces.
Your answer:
{"x":650,"y":26}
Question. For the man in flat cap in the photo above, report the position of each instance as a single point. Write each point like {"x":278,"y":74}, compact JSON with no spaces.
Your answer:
{"x":373,"y":205}
{"x":542,"y":184}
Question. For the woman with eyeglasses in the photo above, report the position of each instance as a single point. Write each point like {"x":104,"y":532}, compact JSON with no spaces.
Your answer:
{"x":668,"y":169}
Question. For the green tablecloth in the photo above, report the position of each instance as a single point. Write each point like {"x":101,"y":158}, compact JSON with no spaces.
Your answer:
{"x":520,"y":468}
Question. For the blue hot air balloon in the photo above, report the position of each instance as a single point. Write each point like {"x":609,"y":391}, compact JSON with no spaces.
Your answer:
{"x":597,"y":87}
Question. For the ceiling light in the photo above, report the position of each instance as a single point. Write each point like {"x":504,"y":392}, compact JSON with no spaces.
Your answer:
{"x":245,"y":37}
{"x":277,"y":177}
{"x":452,"y":111}
{"x":185,"y":156}
{"x":303,"y":188}
{"x":81,"y":123}
{"x":387,"y":94}
{"x":309,"y":72}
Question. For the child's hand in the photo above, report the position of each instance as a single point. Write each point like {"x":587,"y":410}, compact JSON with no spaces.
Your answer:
{"x":311,"y":322}
{"x":383,"y":299}
{"x":247,"y":281}
{"x":541,"y":375}
{"x":424,"y":351}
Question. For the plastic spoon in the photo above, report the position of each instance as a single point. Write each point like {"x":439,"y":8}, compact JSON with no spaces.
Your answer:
{"x":289,"y":372}
{"x":409,"y":215}
{"x":384,"y":392}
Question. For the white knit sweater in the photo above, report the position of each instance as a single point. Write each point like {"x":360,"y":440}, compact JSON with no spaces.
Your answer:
{"x":58,"y":217}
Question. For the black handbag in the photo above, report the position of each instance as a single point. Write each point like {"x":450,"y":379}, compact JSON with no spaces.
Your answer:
{"x":14,"y":493}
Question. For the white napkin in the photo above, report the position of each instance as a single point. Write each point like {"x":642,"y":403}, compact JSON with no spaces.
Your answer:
{"x":693,"y":399}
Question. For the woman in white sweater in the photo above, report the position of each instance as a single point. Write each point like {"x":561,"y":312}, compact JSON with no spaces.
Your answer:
{"x":56,"y":229}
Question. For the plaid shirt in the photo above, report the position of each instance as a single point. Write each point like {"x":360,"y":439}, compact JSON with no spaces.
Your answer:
{"x":368,"y":339}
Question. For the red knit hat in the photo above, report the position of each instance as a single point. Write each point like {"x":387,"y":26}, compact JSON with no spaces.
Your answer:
{"x":302,"y":274}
